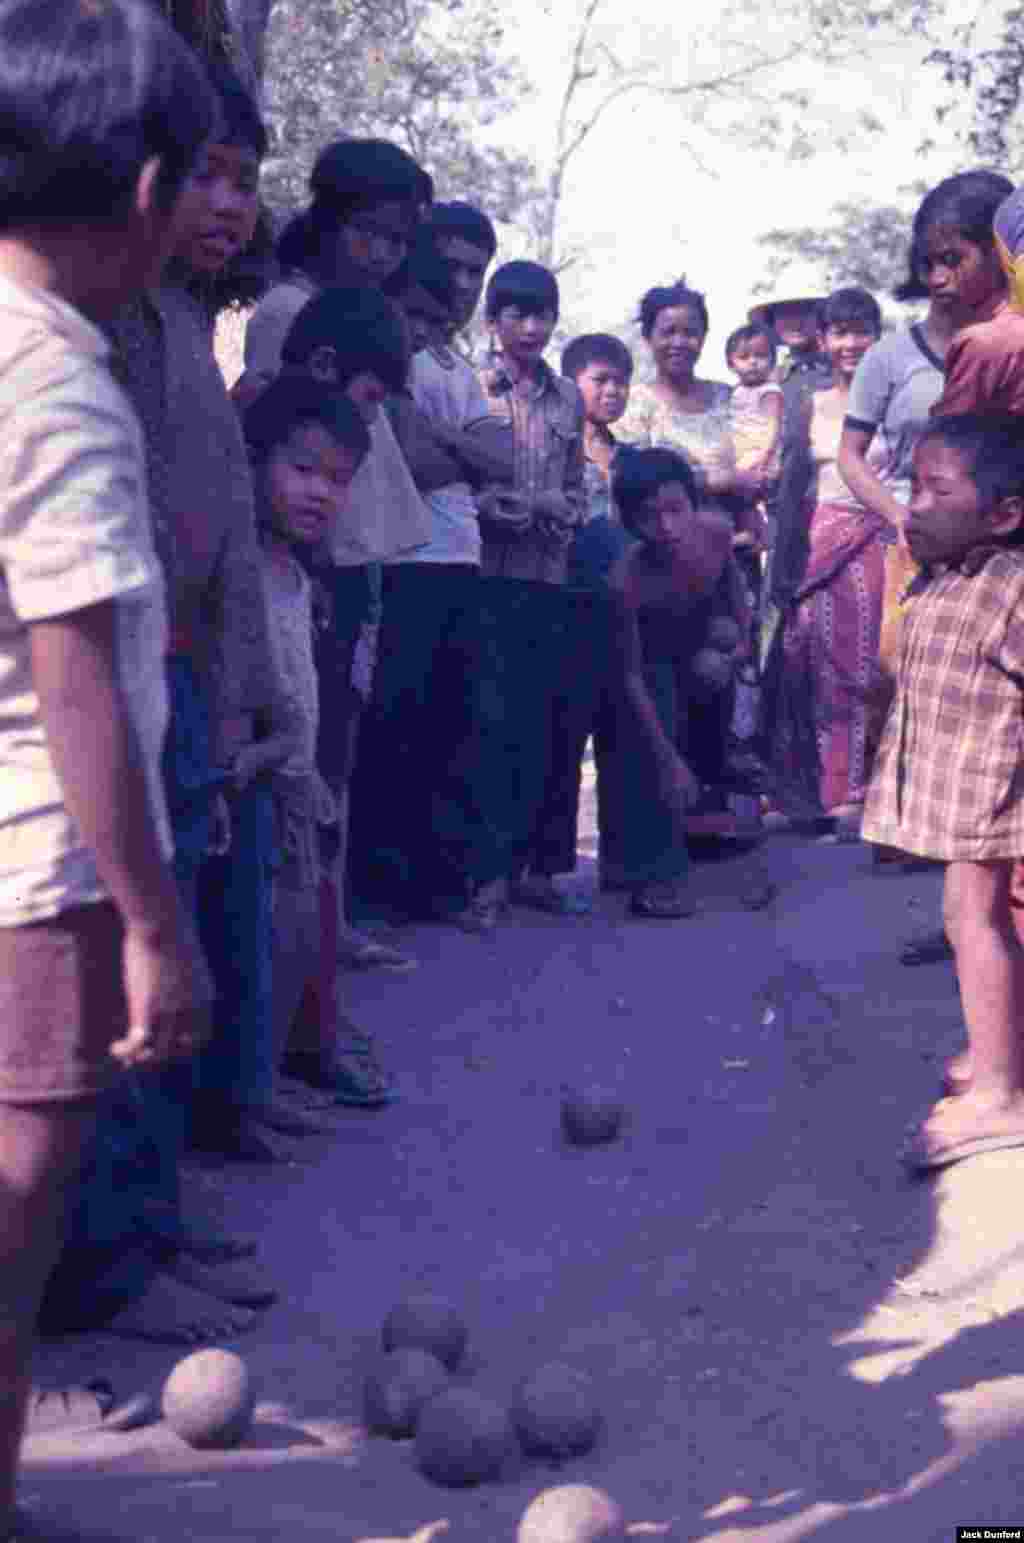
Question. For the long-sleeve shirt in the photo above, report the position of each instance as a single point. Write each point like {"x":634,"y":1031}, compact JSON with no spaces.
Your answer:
{"x":546,"y":415}
{"x":204,"y":524}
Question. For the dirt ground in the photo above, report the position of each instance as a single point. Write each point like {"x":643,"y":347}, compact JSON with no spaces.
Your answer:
{"x":789,"y":1338}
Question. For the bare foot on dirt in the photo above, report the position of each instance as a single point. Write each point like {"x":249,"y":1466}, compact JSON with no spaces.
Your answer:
{"x":239,"y":1284}
{"x":964,"y":1126}
{"x":172,"y":1313}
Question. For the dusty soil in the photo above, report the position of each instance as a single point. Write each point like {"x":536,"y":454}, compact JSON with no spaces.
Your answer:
{"x":790,"y":1338}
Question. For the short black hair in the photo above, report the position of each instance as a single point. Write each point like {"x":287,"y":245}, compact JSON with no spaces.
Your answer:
{"x":352,"y":174}
{"x":746,"y":334}
{"x":596,"y":348}
{"x":638,"y":474}
{"x":88,"y":94}
{"x":366,"y":330}
{"x":966,"y":203}
{"x":466,"y":222}
{"x":993,"y":448}
{"x":426,"y":268}
{"x":529,"y":286}
{"x":292,"y":401}
{"x":238,"y":117}
{"x":665,"y":296}
{"x":851,"y":306}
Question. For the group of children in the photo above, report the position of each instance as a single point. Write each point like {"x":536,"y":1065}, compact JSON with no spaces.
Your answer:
{"x":354,"y":656}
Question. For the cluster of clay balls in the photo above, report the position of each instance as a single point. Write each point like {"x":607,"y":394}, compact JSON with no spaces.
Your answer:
{"x":461,"y":1436}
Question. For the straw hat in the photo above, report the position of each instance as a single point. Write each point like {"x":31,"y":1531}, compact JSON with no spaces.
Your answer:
{"x":797,"y":284}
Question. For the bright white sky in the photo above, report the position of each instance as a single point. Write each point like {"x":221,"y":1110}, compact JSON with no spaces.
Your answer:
{"x":645,"y":212}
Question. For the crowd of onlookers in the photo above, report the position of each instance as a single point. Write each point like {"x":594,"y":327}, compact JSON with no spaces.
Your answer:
{"x":284,"y":667}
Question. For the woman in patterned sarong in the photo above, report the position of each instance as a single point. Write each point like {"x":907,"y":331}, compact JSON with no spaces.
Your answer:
{"x":825,"y":671}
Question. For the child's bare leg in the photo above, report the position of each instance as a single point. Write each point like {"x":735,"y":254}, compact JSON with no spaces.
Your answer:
{"x":959,"y":1068}
{"x":990,"y":964}
{"x":40,"y":1153}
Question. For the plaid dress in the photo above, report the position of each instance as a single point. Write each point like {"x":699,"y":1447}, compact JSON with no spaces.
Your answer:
{"x":949,"y":776}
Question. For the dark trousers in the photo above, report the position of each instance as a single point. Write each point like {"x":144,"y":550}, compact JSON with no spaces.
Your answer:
{"x":540,"y":659}
{"x":415,"y":806}
{"x":236,"y":930}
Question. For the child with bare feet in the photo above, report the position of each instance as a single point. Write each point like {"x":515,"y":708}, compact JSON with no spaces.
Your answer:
{"x":306,"y":443}
{"x":99,"y":967}
{"x":947,"y":782}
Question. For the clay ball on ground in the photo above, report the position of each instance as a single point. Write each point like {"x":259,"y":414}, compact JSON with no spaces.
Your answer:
{"x":396,"y":1389}
{"x":591,"y":1116}
{"x":572,"y":1513}
{"x":463,"y":1438}
{"x":555,"y":1412}
{"x":426,"y":1322}
{"x":207,"y":1400}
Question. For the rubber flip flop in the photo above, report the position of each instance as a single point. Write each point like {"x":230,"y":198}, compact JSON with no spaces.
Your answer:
{"x":922,"y":1160}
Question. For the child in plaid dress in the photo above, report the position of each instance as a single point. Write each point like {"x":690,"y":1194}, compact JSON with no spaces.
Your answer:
{"x":949,"y":778}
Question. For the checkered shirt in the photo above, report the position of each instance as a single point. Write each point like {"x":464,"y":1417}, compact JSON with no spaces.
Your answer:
{"x":949,"y":775}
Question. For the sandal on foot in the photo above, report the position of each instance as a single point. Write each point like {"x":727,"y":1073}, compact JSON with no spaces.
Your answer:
{"x":356,"y":951}
{"x":358,"y":1079}
{"x":541,"y":894}
{"x":662,"y":902}
{"x":922,"y":1158}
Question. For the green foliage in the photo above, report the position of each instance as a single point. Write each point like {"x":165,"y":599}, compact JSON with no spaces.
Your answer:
{"x":863,"y":244}
{"x":430,"y":74}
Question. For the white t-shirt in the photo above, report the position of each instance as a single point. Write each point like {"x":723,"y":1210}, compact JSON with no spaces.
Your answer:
{"x":446,"y":389}
{"x":74,"y":532}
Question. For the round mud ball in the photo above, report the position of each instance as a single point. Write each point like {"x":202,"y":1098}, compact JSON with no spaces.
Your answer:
{"x":712,"y":668}
{"x":591,"y":1116}
{"x":572,"y":1513}
{"x":724,"y":634}
{"x":555,"y":1413}
{"x":463,"y":1438}
{"x":397,"y":1388}
{"x":207,"y":1400}
{"x":426,"y":1323}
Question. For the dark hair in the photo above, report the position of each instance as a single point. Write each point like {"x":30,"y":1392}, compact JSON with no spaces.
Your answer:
{"x":88,"y":94}
{"x":426,"y":268}
{"x":638,"y":474}
{"x":465,"y":221}
{"x":967,"y":204}
{"x":530,"y":286}
{"x":596,"y":348}
{"x":993,"y":448}
{"x":660,"y":299}
{"x":238,"y":118}
{"x":851,"y":306}
{"x":365,"y":329}
{"x":746,"y":334}
{"x":351,"y":174}
{"x":292,"y":401}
